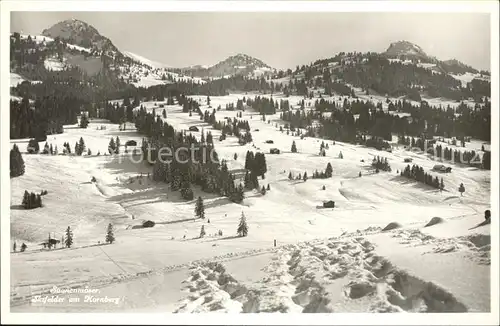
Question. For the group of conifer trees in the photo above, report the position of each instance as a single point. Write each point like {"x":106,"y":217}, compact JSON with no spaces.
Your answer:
{"x":381,"y":164}
{"x":417,"y":173}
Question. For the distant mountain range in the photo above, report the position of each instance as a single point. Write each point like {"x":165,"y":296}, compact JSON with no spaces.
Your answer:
{"x":84,"y":47}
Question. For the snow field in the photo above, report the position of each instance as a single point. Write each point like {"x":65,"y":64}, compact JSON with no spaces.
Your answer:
{"x":141,"y":260}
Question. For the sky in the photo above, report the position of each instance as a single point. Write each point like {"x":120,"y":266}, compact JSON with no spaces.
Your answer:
{"x":282,"y":40}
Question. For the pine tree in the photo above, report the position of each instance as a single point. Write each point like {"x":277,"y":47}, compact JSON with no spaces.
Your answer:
{"x":249,"y":161}
{"x":117,"y":151}
{"x":84,"y":121}
{"x":51,"y":150}
{"x":441,"y":185}
{"x":305,"y":176}
{"x":110,"y":237}
{"x":77,"y":149}
{"x":32,"y":201}
{"x":237,"y":194}
{"x":202,"y":231}
{"x":290,"y":176}
{"x":294,"y":147}
{"x":46,"y":149}
{"x":235,"y":156}
{"x":16,"y":162}
{"x":461,"y":189}
{"x":14,"y":246}
{"x":254,"y":182}
{"x":81,"y":147}
{"x":260,"y":165}
{"x":328,"y":170}
{"x":247,"y":182}
{"x":199,"y":209}
{"x":112,"y":146}
{"x":242,"y":227}
{"x":26,"y":199}
{"x":268,"y":187}
{"x":263,"y":190}
{"x":69,"y":238}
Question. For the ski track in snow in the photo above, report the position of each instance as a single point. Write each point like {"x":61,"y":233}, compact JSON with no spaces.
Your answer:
{"x":299,"y":278}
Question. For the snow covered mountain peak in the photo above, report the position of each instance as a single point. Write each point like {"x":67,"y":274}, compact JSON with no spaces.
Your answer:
{"x":405,"y":48}
{"x":80,"y":33}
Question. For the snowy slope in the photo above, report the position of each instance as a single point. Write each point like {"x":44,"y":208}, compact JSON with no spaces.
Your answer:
{"x":321,"y":263}
{"x":144,"y":60}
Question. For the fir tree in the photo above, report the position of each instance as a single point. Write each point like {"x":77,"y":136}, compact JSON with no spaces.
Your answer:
{"x":84,"y":121}
{"x":294,"y":147}
{"x":23,"y":247}
{"x":16,"y":162}
{"x":199,"y":209}
{"x":77,"y":149}
{"x":69,"y":238}
{"x":202,"y":231}
{"x":117,"y":151}
{"x":51,"y":150}
{"x":110,"y":237}
{"x":237,"y":194}
{"x":46,"y":149}
{"x":33,"y":146}
{"x":112,"y":146}
{"x":290,"y":176}
{"x":461,"y":189}
{"x":81,"y":147}
{"x":247,"y":182}
{"x":14,"y":246}
{"x":268,"y":187}
{"x":441,"y":185}
{"x":254,"y":182}
{"x":26,"y":200}
{"x":249,"y":161}
{"x":328,"y":170}
{"x":235,"y":156}
{"x":242,"y":227}
{"x":263,"y":190}
{"x":260,"y":165}
{"x":305,"y":176}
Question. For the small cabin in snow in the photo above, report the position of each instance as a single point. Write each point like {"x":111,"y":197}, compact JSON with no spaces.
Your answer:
{"x":441,"y":168}
{"x":329,"y":204}
{"x":274,"y":151}
{"x":131,"y":143}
